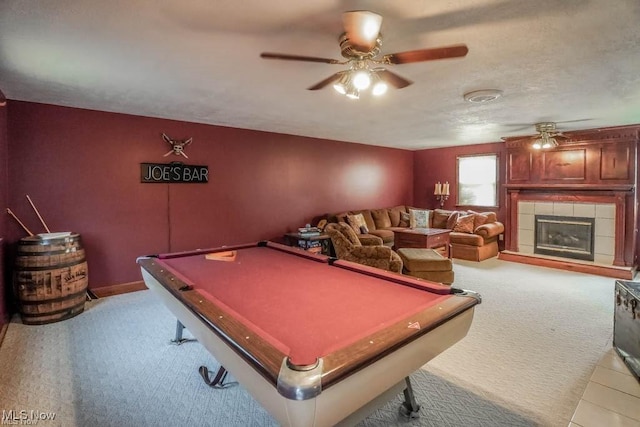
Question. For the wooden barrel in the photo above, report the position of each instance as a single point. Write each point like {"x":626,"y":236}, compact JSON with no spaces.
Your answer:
{"x":50,"y":278}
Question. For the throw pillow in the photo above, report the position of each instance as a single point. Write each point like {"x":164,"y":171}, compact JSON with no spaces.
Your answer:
{"x":464,"y":224}
{"x":483,"y":218}
{"x":381,"y":218}
{"x":418,"y":218}
{"x":479,"y":219}
{"x":342,"y":216}
{"x":405,"y":218}
{"x":357,"y":222}
{"x":394,"y":215}
{"x":440,"y":218}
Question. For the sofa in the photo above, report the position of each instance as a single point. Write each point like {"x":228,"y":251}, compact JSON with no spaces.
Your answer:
{"x":474,"y":235}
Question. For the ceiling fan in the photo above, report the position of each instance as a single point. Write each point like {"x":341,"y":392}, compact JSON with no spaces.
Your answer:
{"x":360,"y":44}
{"x":547,"y":135}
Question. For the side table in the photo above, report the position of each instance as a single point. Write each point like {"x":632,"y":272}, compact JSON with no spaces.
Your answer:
{"x":308,"y":243}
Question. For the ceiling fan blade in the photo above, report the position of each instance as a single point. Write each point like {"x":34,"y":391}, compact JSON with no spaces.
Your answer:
{"x":420,"y":55}
{"x":392,"y":78}
{"x":327,"y":81}
{"x":362,"y":28}
{"x":287,"y":57}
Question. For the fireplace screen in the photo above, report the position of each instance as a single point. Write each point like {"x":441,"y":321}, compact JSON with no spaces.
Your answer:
{"x":568,"y":237}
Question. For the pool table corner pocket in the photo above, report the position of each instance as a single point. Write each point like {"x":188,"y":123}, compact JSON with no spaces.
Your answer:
{"x":300,"y":382}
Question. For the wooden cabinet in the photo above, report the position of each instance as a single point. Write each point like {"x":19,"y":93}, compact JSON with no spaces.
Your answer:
{"x":596,"y":158}
{"x":519,"y":167}
{"x":615,"y":162}
{"x":564,"y":165}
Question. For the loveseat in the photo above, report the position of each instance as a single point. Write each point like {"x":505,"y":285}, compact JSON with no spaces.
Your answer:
{"x":474,"y":235}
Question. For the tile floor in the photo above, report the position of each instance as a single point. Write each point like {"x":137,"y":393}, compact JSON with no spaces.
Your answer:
{"x":612,"y":397}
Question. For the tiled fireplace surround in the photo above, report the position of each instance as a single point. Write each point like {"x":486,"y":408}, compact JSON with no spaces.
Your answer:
{"x":604,"y":214}
{"x":613,"y":219}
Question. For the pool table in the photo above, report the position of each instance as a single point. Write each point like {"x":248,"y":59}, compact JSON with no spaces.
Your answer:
{"x":317,"y":341}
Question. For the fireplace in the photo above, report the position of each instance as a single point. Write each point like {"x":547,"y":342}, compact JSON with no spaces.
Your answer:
{"x":563,"y":236}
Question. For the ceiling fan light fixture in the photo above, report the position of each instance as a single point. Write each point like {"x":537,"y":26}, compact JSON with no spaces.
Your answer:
{"x":340,"y":88}
{"x":362,"y":26}
{"x":545,"y":141}
{"x":361,"y":79}
{"x":482,"y":96}
{"x":342,"y":84}
{"x":379,"y":88}
{"x":353,"y":93}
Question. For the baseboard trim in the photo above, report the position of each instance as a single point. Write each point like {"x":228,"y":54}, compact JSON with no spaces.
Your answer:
{"x":123,"y":288}
{"x":625,"y":273}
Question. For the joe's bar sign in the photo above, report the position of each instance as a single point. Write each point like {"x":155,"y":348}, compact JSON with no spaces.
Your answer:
{"x":173,"y":172}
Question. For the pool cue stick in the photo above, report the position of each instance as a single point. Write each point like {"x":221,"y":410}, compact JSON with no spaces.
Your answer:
{"x":38,"y":213}
{"x":19,"y":222}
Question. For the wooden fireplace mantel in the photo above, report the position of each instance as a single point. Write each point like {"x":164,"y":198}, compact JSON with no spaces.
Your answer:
{"x":592,"y":166}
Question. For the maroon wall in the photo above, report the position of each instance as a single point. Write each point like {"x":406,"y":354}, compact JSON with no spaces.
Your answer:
{"x":4,"y":289}
{"x":81,"y":169}
{"x":439,"y":164}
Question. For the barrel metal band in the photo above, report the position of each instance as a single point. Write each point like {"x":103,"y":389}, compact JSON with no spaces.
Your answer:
{"x":59,"y":299}
{"x":52,"y":267}
{"x":41,"y":253}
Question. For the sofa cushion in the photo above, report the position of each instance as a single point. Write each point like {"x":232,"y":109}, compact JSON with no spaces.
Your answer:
{"x":358,"y":224}
{"x":387,"y":235}
{"x":394,"y":214}
{"x":381,"y":218}
{"x":418,"y":218}
{"x":465,"y":239}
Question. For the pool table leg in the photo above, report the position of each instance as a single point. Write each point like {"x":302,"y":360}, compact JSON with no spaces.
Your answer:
{"x":409,"y":407}
{"x":178,"y":339}
{"x":219,"y":380}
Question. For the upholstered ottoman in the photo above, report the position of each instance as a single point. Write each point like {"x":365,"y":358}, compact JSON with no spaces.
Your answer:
{"x":426,"y":264}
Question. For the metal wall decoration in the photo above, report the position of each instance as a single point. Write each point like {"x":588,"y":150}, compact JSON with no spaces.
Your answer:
{"x":177,"y":146}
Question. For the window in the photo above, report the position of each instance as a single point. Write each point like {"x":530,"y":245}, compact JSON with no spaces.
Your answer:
{"x":478,"y":180}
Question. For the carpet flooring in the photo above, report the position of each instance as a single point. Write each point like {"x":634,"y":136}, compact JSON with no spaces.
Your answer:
{"x":533,"y":344}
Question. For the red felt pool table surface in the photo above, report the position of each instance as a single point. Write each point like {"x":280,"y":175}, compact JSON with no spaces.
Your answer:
{"x":299,"y":304}
{"x":316,"y":341}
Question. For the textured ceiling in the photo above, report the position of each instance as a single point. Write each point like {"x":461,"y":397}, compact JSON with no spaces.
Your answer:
{"x":571,"y":61}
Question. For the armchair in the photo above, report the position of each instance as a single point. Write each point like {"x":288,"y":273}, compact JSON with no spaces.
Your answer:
{"x":349,"y":248}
